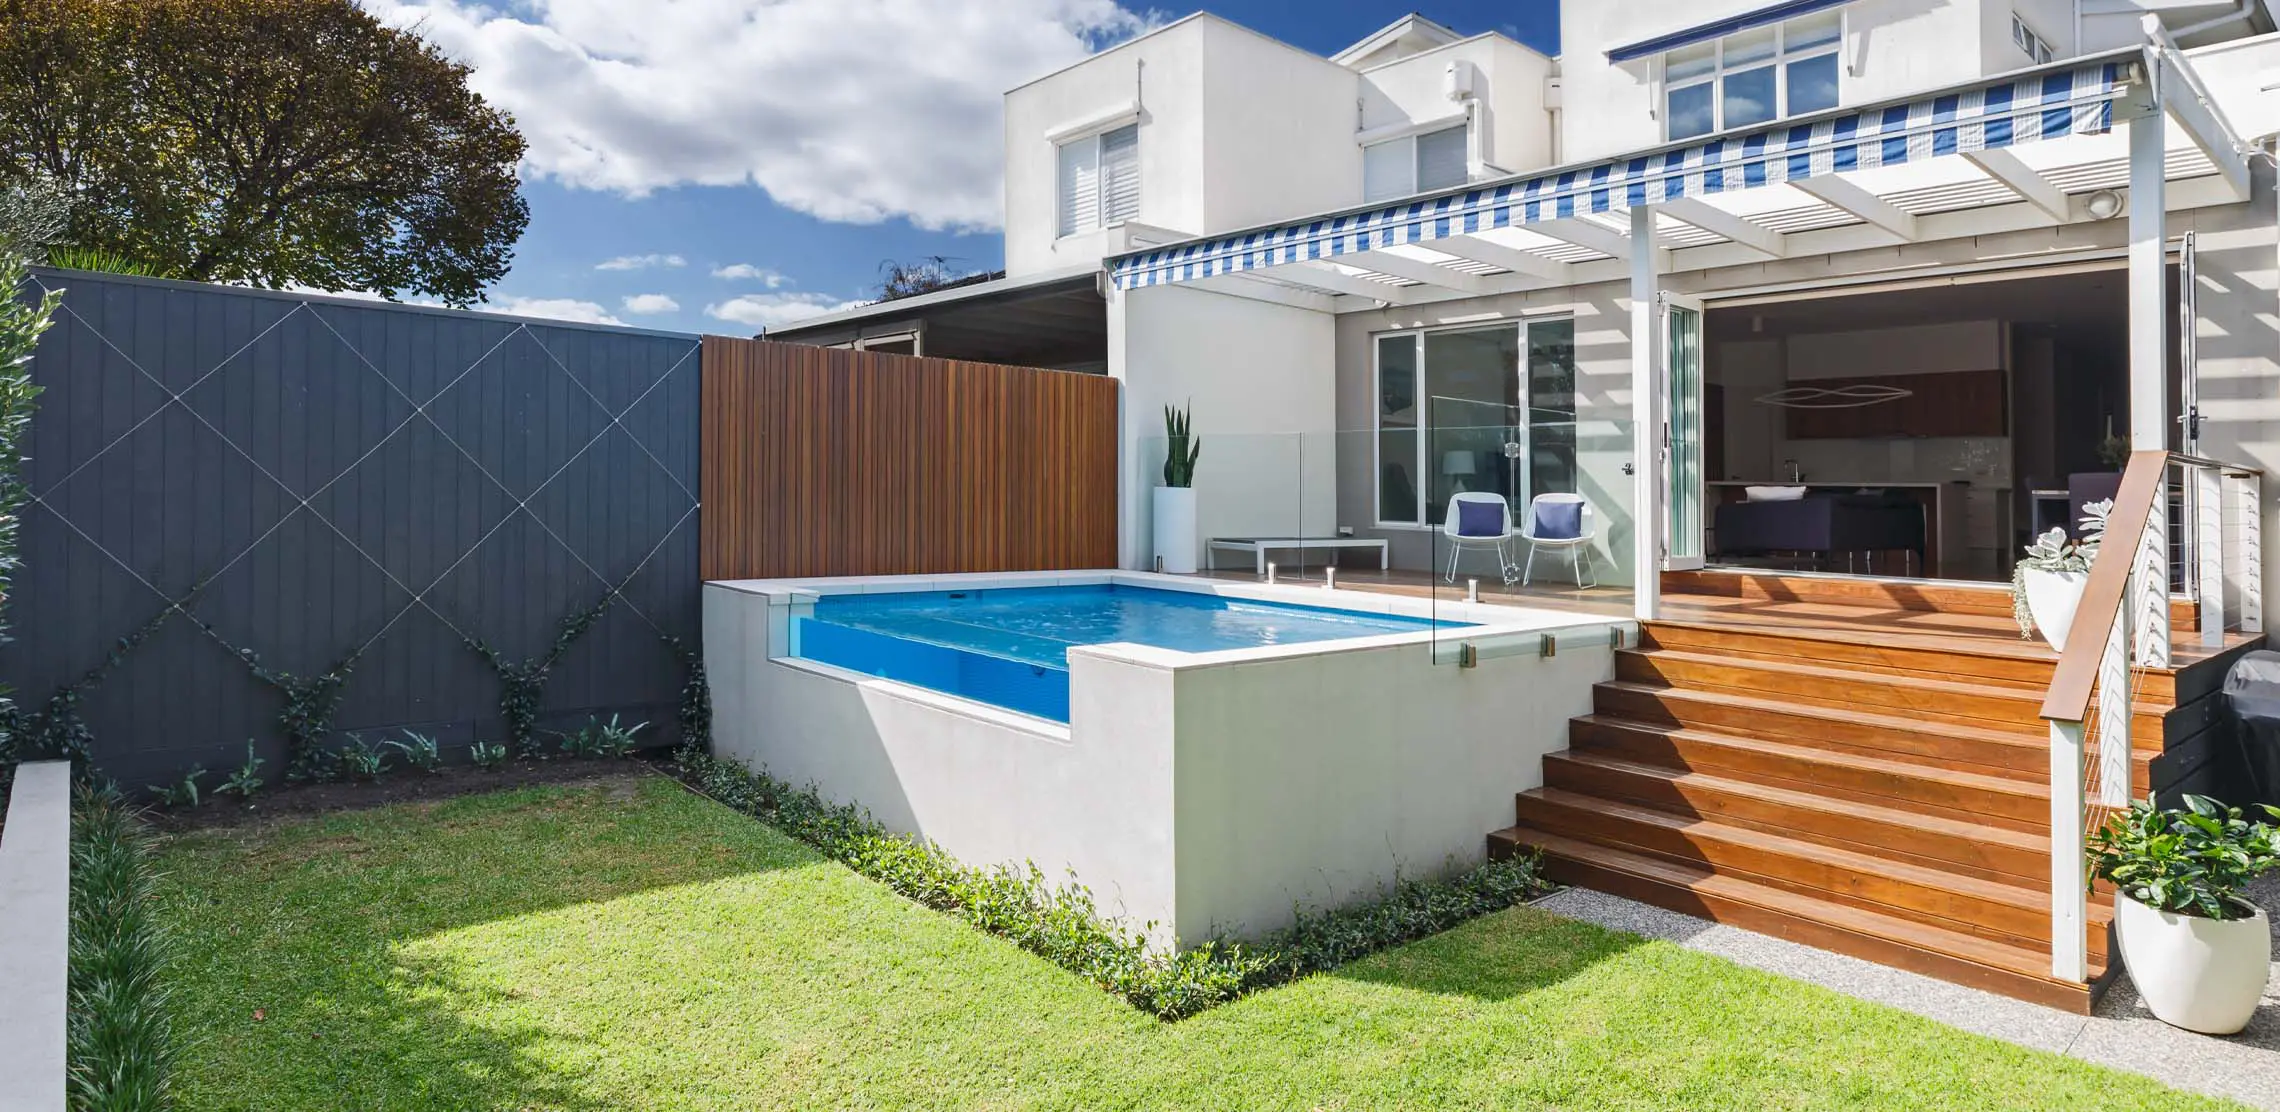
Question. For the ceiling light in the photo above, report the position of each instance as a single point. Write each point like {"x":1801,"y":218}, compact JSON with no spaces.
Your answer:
{"x":2103,"y":204}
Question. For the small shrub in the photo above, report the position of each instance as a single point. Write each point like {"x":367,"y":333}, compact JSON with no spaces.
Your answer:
{"x":488,"y":754}
{"x":183,"y":793}
{"x":1061,"y":923}
{"x":2192,"y":861}
{"x":618,"y":742}
{"x":247,"y":779}
{"x":362,"y":760}
{"x":419,"y":751}
{"x":118,"y":1036}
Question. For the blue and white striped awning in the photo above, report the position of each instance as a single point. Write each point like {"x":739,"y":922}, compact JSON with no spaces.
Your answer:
{"x":2076,"y":101}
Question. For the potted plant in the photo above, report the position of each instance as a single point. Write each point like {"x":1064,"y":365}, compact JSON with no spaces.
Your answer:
{"x":1175,"y":500}
{"x":2198,"y":952}
{"x":2046,"y":585}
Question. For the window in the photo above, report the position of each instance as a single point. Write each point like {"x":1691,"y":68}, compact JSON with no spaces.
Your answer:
{"x":1415,"y":164}
{"x":2037,"y":47}
{"x":1482,"y":408}
{"x":1099,"y":180}
{"x":1752,"y":77}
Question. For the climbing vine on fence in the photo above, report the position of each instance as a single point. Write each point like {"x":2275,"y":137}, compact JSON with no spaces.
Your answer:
{"x":695,"y":710}
{"x":310,"y":704}
{"x":55,"y":728}
{"x":522,"y":682}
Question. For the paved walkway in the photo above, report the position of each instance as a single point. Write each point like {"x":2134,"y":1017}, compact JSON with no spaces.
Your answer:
{"x":2244,"y":1067}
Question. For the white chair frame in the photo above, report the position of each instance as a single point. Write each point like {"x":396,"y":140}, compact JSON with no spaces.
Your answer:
{"x":1578,"y":547}
{"x":1501,"y":541}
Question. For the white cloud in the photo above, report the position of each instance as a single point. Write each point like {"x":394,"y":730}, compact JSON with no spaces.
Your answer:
{"x":553,"y":308}
{"x":749,"y":272}
{"x":640,"y":262}
{"x":775,"y":310}
{"x":651,"y":303}
{"x":847,"y":110}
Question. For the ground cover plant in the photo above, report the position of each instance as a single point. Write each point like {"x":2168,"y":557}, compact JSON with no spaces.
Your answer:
{"x":118,"y":1044}
{"x":629,"y":945}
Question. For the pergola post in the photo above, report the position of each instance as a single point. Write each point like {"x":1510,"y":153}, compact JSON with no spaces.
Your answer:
{"x":1646,"y":420}
{"x":2148,"y":274}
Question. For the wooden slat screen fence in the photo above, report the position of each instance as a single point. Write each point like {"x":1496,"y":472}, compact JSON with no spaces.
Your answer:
{"x":825,"y":461}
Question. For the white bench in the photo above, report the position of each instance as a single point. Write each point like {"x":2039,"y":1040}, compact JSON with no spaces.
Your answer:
{"x":1258,"y":547}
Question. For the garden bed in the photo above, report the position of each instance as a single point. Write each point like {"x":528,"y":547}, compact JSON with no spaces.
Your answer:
{"x":399,"y":786}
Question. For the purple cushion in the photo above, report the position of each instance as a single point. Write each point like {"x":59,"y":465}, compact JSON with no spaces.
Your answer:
{"x":1558,"y":521}
{"x":1480,"y":519}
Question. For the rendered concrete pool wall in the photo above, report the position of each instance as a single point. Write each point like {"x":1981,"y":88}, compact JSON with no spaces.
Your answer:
{"x":1199,"y":792}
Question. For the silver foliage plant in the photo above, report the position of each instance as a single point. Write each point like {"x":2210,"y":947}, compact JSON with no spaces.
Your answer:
{"x":2055,"y":553}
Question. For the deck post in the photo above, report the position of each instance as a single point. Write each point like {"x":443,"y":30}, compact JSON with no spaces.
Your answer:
{"x":2148,"y":270}
{"x":1646,"y":420}
{"x":2208,"y":507}
{"x":2069,"y":892}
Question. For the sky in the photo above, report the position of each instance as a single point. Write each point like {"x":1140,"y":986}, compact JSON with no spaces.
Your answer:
{"x":731,"y":165}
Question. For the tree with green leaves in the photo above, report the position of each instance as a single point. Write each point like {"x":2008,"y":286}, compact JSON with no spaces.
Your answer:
{"x":265,"y":141}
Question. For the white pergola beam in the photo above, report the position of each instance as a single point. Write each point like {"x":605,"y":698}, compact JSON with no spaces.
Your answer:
{"x":2021,"y":179}
{"x":1514,"y":259}
{"x":1867,"y":206}
{"x":1594,"y":237}
{"x":1418,"y":270}
{"x":1257,"y":289}
{"x":1320,"y":276}
{"x":2181,"y":96}
{"x":1717,"y":221}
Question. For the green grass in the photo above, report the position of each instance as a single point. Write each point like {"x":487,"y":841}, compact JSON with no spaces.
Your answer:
{"x":637,"y":947}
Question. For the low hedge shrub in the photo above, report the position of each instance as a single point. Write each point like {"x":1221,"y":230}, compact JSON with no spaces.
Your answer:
{"x":119,"y":1036}
{"x":1061,"y":924}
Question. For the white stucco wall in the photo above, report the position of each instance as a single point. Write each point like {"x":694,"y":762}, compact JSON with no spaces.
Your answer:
{"x":1259,"y":383}
{"x":1510,"y":86}
{"x":1892,"y":48}
{"x":1278,"y":132}
{"x":1202,"y":793}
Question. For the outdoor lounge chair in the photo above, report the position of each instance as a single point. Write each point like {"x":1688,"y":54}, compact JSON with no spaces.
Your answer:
{"x":1558,"y":521}
{"x":1479,"y":519}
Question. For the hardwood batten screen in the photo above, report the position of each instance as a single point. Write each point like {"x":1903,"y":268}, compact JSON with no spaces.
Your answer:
{"x":824,"y":461}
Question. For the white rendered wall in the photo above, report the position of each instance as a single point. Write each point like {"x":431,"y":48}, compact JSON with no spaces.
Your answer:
{"x":1259,"y":382}
{"x":1278,"y":132}
{"x":975,"y":780}
{"x":1511,"y":90}
{"x":1892,"y":48}
{"x":1320,"y":780}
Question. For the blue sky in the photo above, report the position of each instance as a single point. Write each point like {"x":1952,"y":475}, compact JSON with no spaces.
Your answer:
{"x":717,"y":165}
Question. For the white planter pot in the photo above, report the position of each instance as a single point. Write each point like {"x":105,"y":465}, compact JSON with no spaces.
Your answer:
{"x":2052,"y":597}
{"x":1175,"y":529}
{"x":2199,"y":974}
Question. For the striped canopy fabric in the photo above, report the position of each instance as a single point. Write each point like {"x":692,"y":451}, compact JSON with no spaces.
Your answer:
{"x":2077,"y":101}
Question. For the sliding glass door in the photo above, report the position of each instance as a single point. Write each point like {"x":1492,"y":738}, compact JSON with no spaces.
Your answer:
{"x":1481,"y":408}
{"x":1682,"y":431}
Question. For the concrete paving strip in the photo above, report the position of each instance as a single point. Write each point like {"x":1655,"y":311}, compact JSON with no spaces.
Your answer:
{"x":2123,"y":1034}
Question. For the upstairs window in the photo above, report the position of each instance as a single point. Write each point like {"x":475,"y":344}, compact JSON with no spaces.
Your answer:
{"x":1752,"y":77}
{"x":2037,"y":47}
{"x":1415,"y":164}
{"x":1098,"y":180}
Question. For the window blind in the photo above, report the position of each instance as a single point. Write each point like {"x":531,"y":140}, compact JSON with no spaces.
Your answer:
{"x":1120,"y":175}
{"x":1441,"y":161}
{"x":1386,"y":170}
{"x":1079,"y":183}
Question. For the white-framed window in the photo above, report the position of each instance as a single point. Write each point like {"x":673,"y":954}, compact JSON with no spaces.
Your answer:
{"x":1474,"y":408}
{"x":1098,"y":180}
{"x":1415,"y":164}
{"x":1752,"y":77}
{"x":2037,"y":47}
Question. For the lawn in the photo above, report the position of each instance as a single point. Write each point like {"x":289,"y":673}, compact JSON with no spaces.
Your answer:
{"x":629,"y":945}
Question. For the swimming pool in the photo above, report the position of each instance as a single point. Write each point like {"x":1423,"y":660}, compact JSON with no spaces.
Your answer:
{"x":1010,"y":646}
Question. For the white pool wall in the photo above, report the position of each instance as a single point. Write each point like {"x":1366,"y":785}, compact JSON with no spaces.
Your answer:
{"x":1203,"y":793}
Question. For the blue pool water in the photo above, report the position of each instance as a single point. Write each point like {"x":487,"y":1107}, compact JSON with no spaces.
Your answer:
{"x":1010,"y":646}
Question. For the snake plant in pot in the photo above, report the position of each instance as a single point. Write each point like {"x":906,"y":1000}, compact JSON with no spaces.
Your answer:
{"x":1175,"y":500}
{"x":2047,"y":582}
{"x":2197,"y":950}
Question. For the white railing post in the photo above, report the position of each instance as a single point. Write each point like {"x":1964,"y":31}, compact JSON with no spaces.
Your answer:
{"x":2069,"y":891}
{"x":2249,"y":537}
{"x":2147,"y":597}
{"x":2209,"y":550}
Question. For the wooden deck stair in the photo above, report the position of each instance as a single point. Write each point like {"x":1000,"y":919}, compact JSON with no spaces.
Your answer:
{"x":1852,"y":765}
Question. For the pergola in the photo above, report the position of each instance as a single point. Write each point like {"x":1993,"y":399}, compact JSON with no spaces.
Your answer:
{"x":2010,"y":153}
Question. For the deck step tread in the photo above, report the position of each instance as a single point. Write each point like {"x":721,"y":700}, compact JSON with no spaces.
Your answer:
{"x":1984,"y":959}
{"x":2027,"y":700}
{"x":1806,"y":756}
{"x":2019,"y":738}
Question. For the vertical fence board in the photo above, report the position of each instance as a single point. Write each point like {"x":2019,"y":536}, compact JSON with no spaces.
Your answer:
{"x":824,"y":461}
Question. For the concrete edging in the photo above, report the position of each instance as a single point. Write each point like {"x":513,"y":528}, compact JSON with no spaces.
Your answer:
{"x":35,"y":936}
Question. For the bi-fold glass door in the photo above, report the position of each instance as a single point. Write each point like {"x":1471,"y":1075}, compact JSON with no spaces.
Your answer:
{"x":1679,"y":359}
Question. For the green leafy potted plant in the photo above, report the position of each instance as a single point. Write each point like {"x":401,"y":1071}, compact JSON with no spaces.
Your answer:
{"x":2197,"y":950}
{"x":2047,"y":582}
{"x":1175,"y":500}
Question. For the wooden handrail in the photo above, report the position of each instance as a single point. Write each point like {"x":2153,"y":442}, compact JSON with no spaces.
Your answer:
{"x":2069,"y":697}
